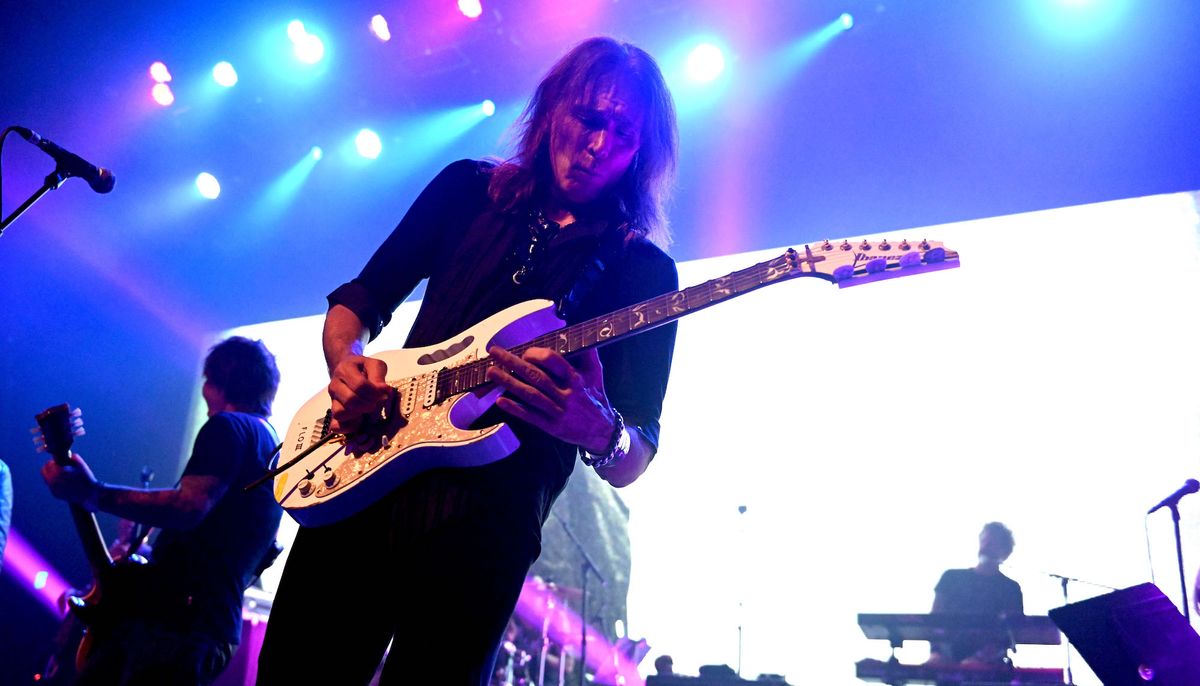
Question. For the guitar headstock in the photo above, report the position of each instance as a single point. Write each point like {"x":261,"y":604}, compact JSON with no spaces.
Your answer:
{"x":56,"y":431}
{"x":849,"y":263}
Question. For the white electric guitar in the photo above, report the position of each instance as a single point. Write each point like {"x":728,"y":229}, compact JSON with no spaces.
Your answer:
{"x":440,"y":389}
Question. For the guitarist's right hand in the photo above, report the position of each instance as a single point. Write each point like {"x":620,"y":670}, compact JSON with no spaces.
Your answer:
{"x":357,"y":389}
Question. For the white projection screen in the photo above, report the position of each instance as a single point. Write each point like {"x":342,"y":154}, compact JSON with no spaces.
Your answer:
{"x":1051,"y":383}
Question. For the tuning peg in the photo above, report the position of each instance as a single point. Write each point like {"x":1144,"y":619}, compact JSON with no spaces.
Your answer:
{"x":79,"y":431}
{"x":884,"y":245}
{"x":924,"y":245}
{"x":827,"y":246}
{"x":864,"y":246}
{"x":846,"y":245}
{"x":904,"y":245}
{"x":876,"y":265}
{"x":39,"y":443}
{"x":76,"y":413}
{"x":910,"y":259}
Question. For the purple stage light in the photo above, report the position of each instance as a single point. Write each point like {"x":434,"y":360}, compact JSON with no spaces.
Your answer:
{"x":160,"y":73}
{"x":162,"y":94}
{"x":539,"y":606}
{"x":471,"y":9}
{"x":379,"y":27}
{"x":33,"y":573}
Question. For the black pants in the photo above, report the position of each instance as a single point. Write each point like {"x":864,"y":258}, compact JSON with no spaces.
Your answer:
{"x":440,"y":587}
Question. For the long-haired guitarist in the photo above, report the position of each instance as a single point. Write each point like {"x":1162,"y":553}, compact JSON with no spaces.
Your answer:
{"x":181,"y":619}
{"x":575,"y":216}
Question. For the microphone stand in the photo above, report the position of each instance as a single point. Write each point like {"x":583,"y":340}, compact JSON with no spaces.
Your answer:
{"x":52,"y":182}
{"x":1066,"y":601}
{"x":587,"y":566}
{"x":1179,"y":556}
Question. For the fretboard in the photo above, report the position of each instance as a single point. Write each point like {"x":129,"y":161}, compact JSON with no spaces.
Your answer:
{"x":628,"y":321}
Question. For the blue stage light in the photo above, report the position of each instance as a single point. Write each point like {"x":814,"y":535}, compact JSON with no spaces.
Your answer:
{"x":368,"y":144}
{"x":224,"y":74}
{"x":488,"y":107}
{"x":705,"y":63}
{"x":296,"y":31}
{"x":1078,"y":20}
{"x":307,"y":47}
{"x":208,"y":186}
{"x":379,"y":27}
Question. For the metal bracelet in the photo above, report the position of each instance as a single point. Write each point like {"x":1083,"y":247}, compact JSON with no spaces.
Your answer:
{"x":618,"y":447}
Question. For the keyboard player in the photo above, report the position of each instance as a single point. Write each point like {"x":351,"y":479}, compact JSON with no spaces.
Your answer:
{"x":982,"y":589}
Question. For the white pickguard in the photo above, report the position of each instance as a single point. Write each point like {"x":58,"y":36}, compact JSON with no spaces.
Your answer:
{"x":330,"y":484}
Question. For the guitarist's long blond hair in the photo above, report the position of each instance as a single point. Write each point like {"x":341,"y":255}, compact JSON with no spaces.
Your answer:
{"x":646,"y":187}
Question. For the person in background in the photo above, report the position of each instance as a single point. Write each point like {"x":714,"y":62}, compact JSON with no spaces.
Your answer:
{"x":184,"y":620}
{"x":664,"y":665}
{"x":979,"y":590}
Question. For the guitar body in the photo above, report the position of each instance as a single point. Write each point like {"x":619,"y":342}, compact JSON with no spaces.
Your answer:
{"x":89,"y":616}
{"x":418,"y":433}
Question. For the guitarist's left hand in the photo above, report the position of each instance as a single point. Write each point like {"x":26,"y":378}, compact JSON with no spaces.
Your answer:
{"x":74,"y":483}
{"x":564,"y":400}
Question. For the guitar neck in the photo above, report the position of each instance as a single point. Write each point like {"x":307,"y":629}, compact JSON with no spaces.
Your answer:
{"x":662,"y":309}
{"x":59,"y":425}
{"x":91,"y":538}
{"x":87,"y":527}
{"x":842,"y":264}
{"x":632,"y":320}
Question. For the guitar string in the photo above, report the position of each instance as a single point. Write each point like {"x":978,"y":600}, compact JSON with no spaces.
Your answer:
{"x":471,"y":375}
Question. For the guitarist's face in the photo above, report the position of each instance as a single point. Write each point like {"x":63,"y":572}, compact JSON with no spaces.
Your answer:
{"x":593,"y":144}
{"x":214,"y":398}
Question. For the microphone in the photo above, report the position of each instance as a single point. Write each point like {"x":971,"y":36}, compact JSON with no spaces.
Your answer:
{"x":1190,"y":487}
{"x":100,"y":179}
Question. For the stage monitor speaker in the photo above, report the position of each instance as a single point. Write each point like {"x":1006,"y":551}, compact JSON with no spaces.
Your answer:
{"x":1133,"y":637}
